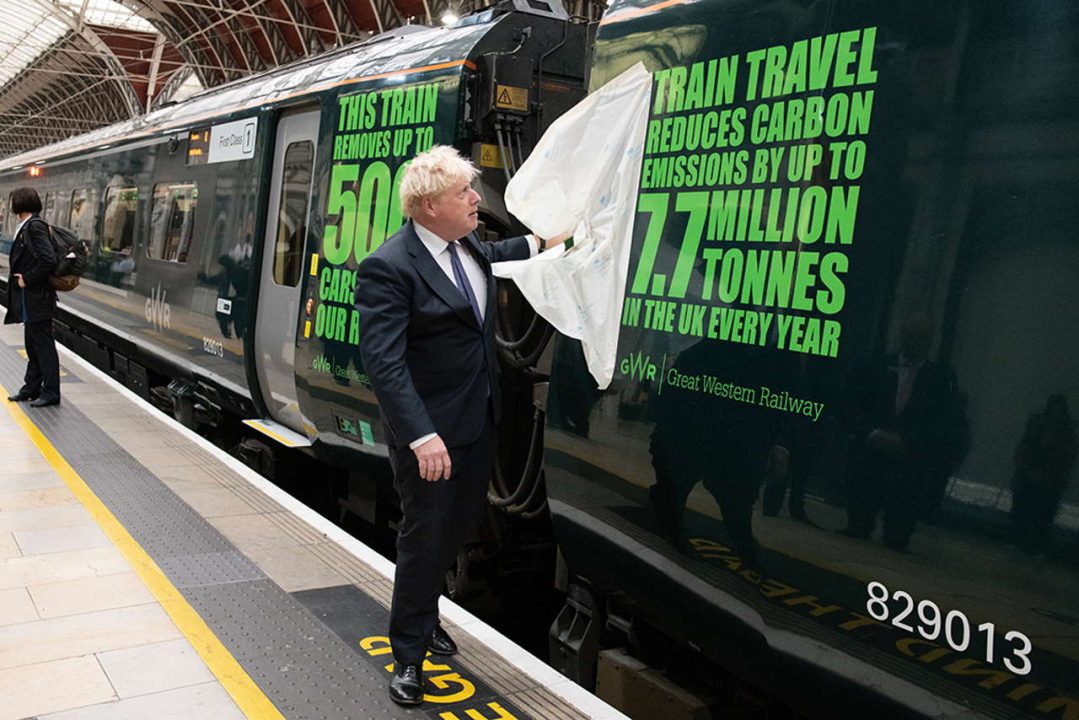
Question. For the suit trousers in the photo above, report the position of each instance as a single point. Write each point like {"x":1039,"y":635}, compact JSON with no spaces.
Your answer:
{"x":438,"y":518}
{"x":43,"y":366}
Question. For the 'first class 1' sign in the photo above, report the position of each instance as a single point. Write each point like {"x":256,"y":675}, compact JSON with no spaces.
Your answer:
{"x":233,"y":141}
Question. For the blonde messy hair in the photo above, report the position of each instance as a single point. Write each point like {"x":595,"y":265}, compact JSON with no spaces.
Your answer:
{"x":430,"y":173}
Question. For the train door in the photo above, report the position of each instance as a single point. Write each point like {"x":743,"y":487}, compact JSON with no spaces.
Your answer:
{"x":282,"y":258}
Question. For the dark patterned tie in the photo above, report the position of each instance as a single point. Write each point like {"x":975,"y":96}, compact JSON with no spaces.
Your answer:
{"x":463,"y":284}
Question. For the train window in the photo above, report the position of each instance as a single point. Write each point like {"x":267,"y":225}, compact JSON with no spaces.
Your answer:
{"x":49,"y":211}
{"x":6,"y":226}
{"x":55,"y":209}
{"x":82,"y":218}
{"x":172,"y":216}
{"x":118,"y":230}
{"x":292,"y":212}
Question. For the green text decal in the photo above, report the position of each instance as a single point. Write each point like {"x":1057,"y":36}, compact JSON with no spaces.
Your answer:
{"x":749,"y":194}
{"x":377,"y":132}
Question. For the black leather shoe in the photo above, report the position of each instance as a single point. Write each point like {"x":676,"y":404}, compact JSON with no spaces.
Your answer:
{"x":44,"y":402}
{"x":440,"y":642}
{"x":21,"y":396}
{"x":406,"y":688}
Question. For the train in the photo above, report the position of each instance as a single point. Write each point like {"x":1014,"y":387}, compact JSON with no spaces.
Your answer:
{"x":834,"y":473}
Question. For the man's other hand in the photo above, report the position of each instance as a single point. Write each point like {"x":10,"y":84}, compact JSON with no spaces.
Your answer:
{"x":434,"y":460}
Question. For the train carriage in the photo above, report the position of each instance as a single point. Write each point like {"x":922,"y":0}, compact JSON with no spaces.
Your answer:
{"x":209,"y":221}
{"x":838,"y":455}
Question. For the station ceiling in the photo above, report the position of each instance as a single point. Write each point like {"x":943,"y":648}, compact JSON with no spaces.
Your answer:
{"x":69,"y":66}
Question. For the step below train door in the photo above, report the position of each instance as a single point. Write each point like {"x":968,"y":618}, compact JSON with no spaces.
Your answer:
{"x":279,"y":286}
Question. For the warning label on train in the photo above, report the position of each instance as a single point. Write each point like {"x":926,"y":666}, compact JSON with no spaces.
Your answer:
{"x":749,"y":194}
{"x":508,"y":97}
{"x":490,"y":156}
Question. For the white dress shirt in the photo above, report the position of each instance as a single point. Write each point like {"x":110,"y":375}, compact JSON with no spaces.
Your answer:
{"x":439,"y":250}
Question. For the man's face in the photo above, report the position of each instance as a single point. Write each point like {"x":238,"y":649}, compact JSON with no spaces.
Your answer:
{"x":454,"y":210}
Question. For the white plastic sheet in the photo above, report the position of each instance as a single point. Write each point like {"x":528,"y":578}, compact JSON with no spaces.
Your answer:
{"x":582,"y":178}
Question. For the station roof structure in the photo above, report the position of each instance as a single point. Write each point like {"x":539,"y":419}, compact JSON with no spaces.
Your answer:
{"x":70,"y":66}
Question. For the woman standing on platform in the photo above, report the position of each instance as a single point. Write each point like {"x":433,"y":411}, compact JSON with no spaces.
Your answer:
{"x":31,"y":300}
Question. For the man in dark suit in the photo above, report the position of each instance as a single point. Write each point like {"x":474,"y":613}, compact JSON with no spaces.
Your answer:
{"x":909,"y":434}
{"x":426,"y":300}
{"x":31,"y":300}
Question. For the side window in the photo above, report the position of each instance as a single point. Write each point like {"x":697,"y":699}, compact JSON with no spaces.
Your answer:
{"x":49,"y":211}
{"x":172,"y":216}
{"x":118,"y":229}
{"x":60,"y":209}
{"x":292,"y":213}
{"x":12,"y":218}
{"x":82,"y":218}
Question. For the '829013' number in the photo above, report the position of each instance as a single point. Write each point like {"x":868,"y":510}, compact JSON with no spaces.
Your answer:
{"x":932,"y":622}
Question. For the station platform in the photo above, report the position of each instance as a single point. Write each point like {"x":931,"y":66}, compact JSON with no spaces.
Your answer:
{"x":146,"y":573}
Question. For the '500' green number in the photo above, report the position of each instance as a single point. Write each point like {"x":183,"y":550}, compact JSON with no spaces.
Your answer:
{"x":363,"y":216}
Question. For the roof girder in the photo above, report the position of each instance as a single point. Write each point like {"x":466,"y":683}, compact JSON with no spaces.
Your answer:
{"x":216,"y":40}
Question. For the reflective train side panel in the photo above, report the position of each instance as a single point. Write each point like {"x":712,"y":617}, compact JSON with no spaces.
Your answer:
{"x":838,"y":457}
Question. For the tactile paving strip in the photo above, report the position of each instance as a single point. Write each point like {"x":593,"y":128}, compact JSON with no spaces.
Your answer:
{"x":303,"y":668}
{"x":307,"y":670}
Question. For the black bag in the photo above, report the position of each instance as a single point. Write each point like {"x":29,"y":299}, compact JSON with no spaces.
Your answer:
{"x":71,"y":252}
{"x":71,"y":258}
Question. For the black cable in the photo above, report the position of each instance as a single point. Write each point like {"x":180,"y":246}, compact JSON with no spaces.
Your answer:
{"x":537,"y":490}
{"x":542,"y":509}
{"x":509,"y":147}
{"x":535,"y":514}
{"x":512,"y":345}
{"x":517,"y":132}
{"x":526,"y":486}
{"x":525,"y":361}
{"x":539,"y":76}
{"x":502,"y":151}
{"x":530,"y":359}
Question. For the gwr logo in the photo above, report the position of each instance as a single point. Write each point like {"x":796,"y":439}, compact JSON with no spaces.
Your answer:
{"x":638,"y":367}
{"x":158,"y":312}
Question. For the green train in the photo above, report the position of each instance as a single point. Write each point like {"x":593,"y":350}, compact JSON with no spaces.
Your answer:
{"x":834,"y":475}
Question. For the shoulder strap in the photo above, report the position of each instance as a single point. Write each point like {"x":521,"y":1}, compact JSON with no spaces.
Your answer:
{"x":48,"y":229}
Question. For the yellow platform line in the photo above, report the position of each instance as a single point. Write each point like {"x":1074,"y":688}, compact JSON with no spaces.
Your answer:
{"x":247,"y":695}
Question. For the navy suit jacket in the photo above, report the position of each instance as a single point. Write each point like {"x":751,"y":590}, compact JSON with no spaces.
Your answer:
{"x":431,"y":365}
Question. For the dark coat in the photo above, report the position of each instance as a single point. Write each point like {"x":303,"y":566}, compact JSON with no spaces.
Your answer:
{"x":33,"y":256}
{"x":429,"y":361}
{"x":933,"y":424}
